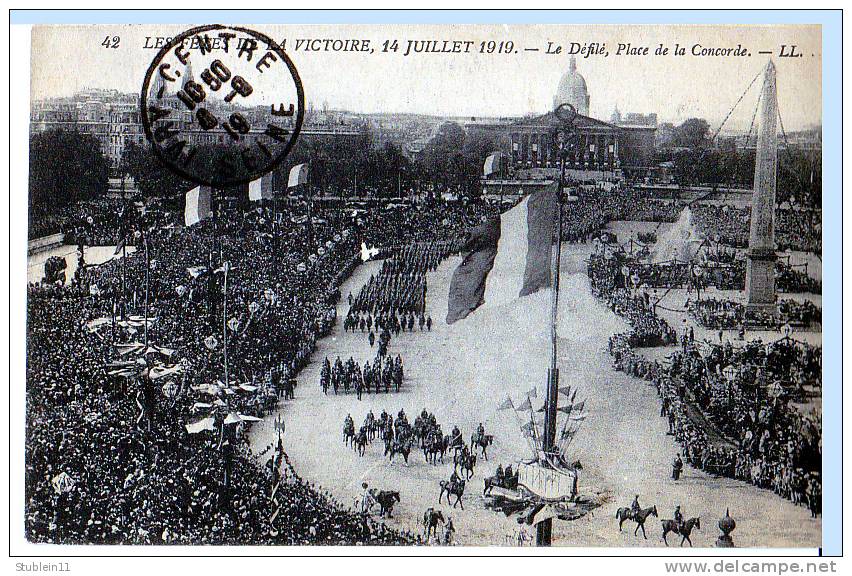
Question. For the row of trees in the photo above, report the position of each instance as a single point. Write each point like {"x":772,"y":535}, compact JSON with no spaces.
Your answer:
{"x":68,"y":166}
{"x":799,"y":171}
{"x":65,"y":167}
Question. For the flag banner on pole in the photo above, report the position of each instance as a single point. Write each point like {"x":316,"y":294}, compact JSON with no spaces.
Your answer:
{"x":526,"y":405}
{"x":298,"y":175}
{"x":506,"y":257}
{"x":565,"y":390}
{"x":506,"y":405}
{"x":196,"y":271}
{"x":197,"y":205}
{"x":565,"y":409}
{"x":494,"y":163}
{"x":533,"y":393}
{"x":261,"y":189}
{"x":528,"y":428}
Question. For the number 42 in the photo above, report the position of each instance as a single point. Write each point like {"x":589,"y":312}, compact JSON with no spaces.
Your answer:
{"x":111,"y":42}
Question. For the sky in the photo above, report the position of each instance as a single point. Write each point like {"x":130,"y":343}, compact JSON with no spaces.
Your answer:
{"x":68,"y":59}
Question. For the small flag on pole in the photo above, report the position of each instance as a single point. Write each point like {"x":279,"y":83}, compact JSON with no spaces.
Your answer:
{"x":197,"y":205}
{"x":261,"y":189}
{"x":298,"y":175}
{"x":507,"y":404}
{"x":526,"y":405}
{"x":533,"y":393}
{"x":493,"y":164}
{"x":529,"y":428}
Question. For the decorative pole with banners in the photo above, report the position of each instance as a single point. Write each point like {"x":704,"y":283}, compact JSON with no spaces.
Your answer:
{"x":566,"y":114}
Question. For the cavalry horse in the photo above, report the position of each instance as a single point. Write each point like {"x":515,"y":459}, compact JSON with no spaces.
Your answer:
{"x":685,"y":529}
{"x":482,"y":442}
{"x":360,"y":442}
{"x":454,"y":488}
{"x":501,"y":482}
{"x":639,"y":517}
{"x":386,"y":500}
{"x":348,"y":432}
{"x":401,"y":446}
{"x":430,"y":522}
{"x":466,"y":461}
{"x":436,"y":447}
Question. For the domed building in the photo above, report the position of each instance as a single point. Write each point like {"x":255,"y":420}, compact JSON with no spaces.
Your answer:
{"x":572,"y":90}
{"x":598,"y":150}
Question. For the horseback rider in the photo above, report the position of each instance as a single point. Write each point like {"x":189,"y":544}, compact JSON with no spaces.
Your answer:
{"x":678,"y":517}
{"x":635,"y":507}
{"x":480,"y":431}
{"x":454,"y":478}
{"x":677,"y":467}
{"x":499,"y":474}
{"x":455,"y":436}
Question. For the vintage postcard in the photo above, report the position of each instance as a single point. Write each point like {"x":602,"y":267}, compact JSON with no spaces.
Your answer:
{"x":475,"y":285}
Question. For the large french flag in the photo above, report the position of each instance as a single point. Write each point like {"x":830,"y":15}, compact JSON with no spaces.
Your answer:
{"x":507,"y":257}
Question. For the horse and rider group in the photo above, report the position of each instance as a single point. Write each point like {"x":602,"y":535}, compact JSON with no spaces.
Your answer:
{"x":397,"y":435}
{"x":399,"y":439}
{"x":383,"y":375}
{"x":678,"y":525}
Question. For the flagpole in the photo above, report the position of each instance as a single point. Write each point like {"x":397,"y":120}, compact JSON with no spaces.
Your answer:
{"x":147,"y":273}
{"x":544,"y":529}
{"x":123,"y":253}
{"x":225,"y":319}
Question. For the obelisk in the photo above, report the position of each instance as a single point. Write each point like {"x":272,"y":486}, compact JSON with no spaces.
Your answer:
{"x":760,"y":271}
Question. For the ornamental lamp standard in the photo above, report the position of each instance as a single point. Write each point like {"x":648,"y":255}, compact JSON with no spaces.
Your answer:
{"x":563,"y":132}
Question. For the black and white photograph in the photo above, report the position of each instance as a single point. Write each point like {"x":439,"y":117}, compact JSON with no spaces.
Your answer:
{"x":423,"y":285}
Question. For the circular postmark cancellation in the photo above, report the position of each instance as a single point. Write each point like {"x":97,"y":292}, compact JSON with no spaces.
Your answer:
{"x":222,"y":105}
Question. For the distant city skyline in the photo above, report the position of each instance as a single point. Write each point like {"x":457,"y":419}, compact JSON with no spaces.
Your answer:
{"x":483,"y":85}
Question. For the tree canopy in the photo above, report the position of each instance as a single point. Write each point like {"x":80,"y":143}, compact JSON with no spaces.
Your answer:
{"x":65,"y":167}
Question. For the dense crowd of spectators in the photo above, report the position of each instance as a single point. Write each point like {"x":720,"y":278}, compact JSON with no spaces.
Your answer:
{"x":727,"y":315}
{"x":232,"y":307}
{"x":610,"y":284}
{"x":731,"y":409}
